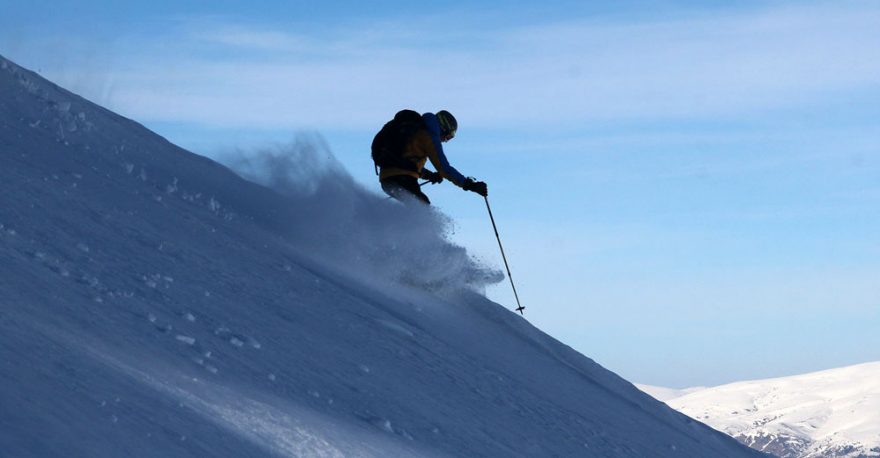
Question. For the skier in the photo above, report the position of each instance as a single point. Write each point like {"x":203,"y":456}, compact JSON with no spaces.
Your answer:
{"x":406,"y":143}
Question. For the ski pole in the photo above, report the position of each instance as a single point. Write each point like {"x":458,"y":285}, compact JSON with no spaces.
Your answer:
{"x":519,"y":307}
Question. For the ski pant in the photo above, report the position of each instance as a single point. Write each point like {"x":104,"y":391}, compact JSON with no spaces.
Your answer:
{"x":404,"y":187}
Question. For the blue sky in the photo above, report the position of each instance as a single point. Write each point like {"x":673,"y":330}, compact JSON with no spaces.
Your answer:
{"x":687,"y":191}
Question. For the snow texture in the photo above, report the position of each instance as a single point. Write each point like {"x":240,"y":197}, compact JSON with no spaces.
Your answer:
{"x":833,"y":413}
{"x":154,"y":303}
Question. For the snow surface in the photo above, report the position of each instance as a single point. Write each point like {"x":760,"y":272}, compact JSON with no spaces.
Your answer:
{"x":154,"y":303}
{"x":832,"y":413}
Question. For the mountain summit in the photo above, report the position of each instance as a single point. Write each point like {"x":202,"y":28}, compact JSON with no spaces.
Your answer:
{"x":829,"y":414}
{"x":154,"y":303}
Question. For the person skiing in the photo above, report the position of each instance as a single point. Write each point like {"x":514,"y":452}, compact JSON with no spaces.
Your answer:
{"x":406,"y":143}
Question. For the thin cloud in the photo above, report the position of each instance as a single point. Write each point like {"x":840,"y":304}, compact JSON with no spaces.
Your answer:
{"x":249,"y":38}
{"x":751,"y":63}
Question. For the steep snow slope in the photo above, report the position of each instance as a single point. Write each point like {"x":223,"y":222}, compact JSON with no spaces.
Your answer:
{"x":833,"y":413}
{"x":153,"y":303}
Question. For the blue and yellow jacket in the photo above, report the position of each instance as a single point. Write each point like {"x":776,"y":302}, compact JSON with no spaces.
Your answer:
{"x":425,"y":145}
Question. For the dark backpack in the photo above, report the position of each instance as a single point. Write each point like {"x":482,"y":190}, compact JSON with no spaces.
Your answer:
{"x":388,"y":144}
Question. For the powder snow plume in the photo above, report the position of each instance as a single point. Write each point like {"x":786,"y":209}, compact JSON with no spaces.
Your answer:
{"x":359,"y":231}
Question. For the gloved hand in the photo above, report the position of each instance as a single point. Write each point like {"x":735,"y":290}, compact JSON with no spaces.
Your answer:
{"x":478,"y":187}
{"x":432,"y":177}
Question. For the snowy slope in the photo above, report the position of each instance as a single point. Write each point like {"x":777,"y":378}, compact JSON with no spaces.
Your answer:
{"x":833,"y":413}
{"x":153,"y":303}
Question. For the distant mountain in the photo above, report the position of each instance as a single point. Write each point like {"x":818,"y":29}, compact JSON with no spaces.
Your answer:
{"x":155,"y":304}
{"x":664,"y":394}
{"x":828,"y":414}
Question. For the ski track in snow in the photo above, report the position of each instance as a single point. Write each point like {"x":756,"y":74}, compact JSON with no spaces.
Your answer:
{"x":281,"y":427}
{"x":260,"y":423}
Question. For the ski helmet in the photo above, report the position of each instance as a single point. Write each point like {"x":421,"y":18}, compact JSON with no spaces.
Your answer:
{"x":448,"y":124}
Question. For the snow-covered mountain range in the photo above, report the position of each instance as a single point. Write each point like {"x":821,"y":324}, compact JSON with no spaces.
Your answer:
{"x":664,"y":394}
{"x":154,"y":303}
{"x":829,"y":414}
